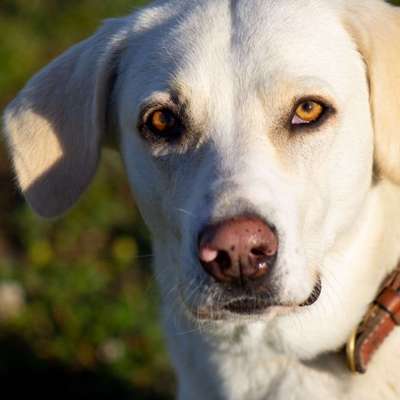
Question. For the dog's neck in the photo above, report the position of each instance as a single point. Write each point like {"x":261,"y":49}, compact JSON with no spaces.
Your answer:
{"x":249,"y":366}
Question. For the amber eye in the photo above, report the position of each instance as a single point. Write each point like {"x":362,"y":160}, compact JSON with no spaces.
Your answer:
{"x":308,"y":112}
{"x":162,"y":123}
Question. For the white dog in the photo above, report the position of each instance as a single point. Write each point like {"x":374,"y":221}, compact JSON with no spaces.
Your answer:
{"x":262,"y":142}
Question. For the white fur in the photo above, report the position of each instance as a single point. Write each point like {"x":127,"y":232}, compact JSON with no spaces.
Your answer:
{"x":238,"y":65}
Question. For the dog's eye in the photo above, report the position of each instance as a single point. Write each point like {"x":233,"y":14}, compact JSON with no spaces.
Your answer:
{"x":163,"y":123}
{"x":308,"y":112}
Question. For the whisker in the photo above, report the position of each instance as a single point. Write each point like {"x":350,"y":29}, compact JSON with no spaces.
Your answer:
{"x":186,"y":212}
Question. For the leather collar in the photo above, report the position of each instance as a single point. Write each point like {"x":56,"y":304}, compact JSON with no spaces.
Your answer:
{"x":381,"y":318}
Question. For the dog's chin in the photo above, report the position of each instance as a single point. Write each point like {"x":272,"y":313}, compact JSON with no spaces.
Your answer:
{"x":252,"y":308}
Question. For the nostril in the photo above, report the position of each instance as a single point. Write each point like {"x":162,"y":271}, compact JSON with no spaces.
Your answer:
{"x":223,"y":260}
{"x":217,"y":263}
{"x":263,"y":251}
{"x":259,"y":252}
{"x":219,"y":258}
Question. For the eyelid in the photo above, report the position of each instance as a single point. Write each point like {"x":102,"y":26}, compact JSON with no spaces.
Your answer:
{"x":149,"y":108}
{"x":329,"y":110}
{"x":174,"y":136}
{"x":314,"y":99}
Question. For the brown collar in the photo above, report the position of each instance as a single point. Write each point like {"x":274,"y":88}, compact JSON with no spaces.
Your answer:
{"x":381,"y":318}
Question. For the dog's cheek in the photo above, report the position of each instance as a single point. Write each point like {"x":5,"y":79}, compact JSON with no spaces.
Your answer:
{"x":338,"y":180}
{"x":350,"y":183}
{"x":146,"y":182}
{"x":162,"y":191}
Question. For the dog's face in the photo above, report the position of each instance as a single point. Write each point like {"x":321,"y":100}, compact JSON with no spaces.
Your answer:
{"x":238,"y":144}
{"x":227,"y":111}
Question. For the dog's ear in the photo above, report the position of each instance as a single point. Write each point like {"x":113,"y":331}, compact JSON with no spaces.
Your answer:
{"x":375,"y":27}
{"x":55,"y":126}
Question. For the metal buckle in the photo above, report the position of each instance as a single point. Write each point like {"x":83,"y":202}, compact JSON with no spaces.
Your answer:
{"x":351,"y":352}
{"x":351,"y":343}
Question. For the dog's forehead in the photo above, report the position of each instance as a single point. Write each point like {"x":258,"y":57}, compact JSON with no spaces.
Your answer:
{"x":208,"y":46}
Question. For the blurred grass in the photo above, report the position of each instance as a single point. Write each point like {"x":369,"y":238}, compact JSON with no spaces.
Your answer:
{"x":78,"y":306}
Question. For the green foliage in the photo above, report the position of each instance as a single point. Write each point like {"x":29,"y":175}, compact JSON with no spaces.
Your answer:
{"x":33,"y":32}
{"x":90,"y":299}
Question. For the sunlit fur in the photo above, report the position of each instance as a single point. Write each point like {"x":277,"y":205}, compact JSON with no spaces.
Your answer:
{"x":237,"y":68}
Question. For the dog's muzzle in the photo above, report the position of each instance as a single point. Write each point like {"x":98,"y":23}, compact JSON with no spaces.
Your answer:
{"x":239,"y":255}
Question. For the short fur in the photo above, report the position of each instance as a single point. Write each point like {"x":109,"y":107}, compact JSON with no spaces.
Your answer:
{"x":236,"y":68}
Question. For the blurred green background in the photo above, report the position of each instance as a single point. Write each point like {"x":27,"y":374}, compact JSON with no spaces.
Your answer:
{"x":78,"y":302}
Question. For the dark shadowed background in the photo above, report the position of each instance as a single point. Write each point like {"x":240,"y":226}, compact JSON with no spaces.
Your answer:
{"x":78,"y":302}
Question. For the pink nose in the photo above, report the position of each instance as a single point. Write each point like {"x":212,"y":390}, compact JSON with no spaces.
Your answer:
{"x":238,"y":250}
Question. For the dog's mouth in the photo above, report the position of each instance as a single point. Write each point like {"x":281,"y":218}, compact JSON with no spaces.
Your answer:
{"x":247,"y":306}
{"x":250,"y":305}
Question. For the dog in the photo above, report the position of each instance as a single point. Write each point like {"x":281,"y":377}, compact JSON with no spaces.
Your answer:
{"x":261,"y":140}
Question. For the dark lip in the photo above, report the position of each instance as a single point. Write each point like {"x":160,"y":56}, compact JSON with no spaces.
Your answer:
{"x":255,"y":306}
{"x":314,"y":295}
{"x":247,"y":306}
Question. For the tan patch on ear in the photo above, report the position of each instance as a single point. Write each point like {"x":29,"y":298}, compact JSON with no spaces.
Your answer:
{"x":33,"y":158}
{"x":375,"y":27}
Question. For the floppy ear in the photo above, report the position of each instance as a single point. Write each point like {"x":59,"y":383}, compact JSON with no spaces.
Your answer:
{"x":55,"y":125}
{"x":375,"y":26}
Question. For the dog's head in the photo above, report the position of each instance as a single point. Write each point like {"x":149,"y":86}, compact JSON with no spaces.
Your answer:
{"x":250,"y":131}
